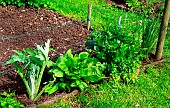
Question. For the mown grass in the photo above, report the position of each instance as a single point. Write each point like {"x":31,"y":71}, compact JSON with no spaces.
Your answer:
{"x":102,"y":16}
{"x":151,"y":90}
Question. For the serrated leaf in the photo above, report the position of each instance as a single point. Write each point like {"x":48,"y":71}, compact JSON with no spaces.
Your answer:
{"x":44,"y":49}
{"x":18,"y":57}
{"x":36,"y":60}
{"x":29,"y":51}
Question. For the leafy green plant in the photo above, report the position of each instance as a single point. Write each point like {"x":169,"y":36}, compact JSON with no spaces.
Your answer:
{"x":30,"y":66}
{"x":7,"y":101}
{"x":35,"y":3}
{"x":13,"y":2}
{"x":120,"y":52}
{"x":75,"y":71}
{"x":149,"y":36}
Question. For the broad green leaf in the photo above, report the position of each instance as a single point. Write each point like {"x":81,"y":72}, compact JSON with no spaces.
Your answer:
{"x":92,"y":74}
{"x":82,"y":86}
{"x":74,"y":77}
{"x":62,"y":85}
{"x":61,"y":64}
{"x":10,"y":106}
{"x":76,"y":57}
{"x":68,"y":54}
{"x":74,"y":64}
{"x":52,"y":89}
{"x":78,"y":83}
{"x":57,"y":72}
{"x":83,"y":55}
{"x":50,"y":63}
{"x":75,"y":83}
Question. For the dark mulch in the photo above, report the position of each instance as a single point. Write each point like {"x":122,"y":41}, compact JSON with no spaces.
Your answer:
{"x":31,"y":21}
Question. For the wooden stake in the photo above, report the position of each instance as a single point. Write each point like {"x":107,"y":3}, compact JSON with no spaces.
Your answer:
{"x":120,"y":18}
{"x":89,"y":16}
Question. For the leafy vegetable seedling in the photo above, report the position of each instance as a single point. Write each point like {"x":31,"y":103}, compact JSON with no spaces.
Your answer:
{"x":30,"y":66}
{"x":75,"y":71}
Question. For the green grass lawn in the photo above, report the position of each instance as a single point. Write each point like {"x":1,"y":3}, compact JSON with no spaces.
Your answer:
{"x":102,"y":16}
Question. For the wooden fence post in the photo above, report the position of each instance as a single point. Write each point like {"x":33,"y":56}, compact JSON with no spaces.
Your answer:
{"x":89,"y":16}
{"x":163,"y":30}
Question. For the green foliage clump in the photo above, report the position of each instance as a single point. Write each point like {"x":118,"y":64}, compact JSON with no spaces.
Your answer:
{"x":150,"y":34}
{"x":7,"y":101}
{"x":146,"y":7}
{"x":30,"y":66}
{"x":34,"y":3}
{"x":75,"y":71}
{"x":120,"y":52}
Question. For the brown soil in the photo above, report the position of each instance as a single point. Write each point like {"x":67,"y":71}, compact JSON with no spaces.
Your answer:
{"x":23,"y":28}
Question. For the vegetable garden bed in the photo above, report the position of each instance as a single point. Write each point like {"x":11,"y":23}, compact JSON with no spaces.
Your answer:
{"x":26,"y":27}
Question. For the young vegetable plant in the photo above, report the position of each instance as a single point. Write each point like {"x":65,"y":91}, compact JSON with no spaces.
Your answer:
{"x":7,"y":101}
{"x":30,"y":66}
{"x":120,"y":52}
{"x":75,"y":71}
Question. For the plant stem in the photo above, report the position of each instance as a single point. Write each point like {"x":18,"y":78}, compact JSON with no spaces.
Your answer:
{"x":26,"y":84}
{"x":39,"y":80}
{"x":42,"y":91}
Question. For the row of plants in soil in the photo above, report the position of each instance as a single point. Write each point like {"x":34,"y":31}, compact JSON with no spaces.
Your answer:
{"x":115,"y":53}
{"x":150,"y":90}
{"x":110,"y":54}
